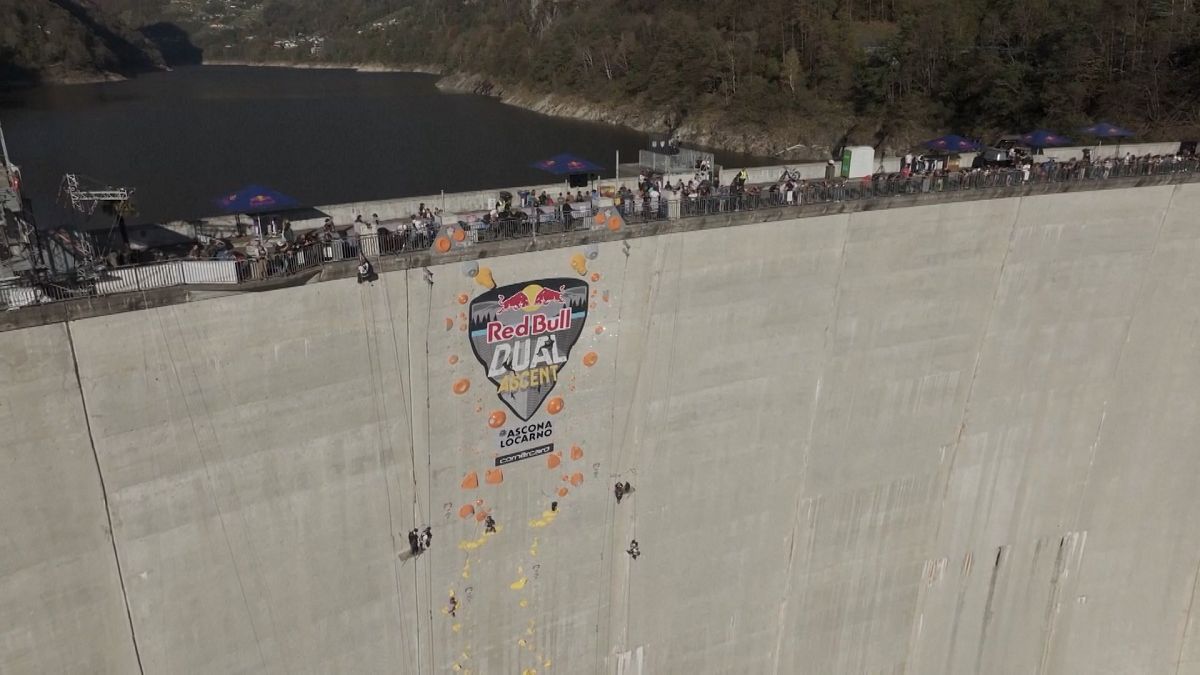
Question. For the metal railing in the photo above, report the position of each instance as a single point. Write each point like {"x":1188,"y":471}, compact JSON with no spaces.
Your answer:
{"x":636,"y":210}
{"x":22,"y":292}
{"x":883,"y":186}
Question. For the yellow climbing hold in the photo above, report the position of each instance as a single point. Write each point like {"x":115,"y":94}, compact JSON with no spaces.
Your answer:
{"x":547,"y":518}
{"x":523,"y":603}
{"x":533,"y":549}
{"x":579,"y":264}
{"x":547,"y":663}
{"x":471,"y":545}
{"x":484,"y":278}
{"x":466,"y":574}
{"x":522,"y":642}
{"x":518,"y":584}
{"x":529,"y":671}
{"x":456,"y":627}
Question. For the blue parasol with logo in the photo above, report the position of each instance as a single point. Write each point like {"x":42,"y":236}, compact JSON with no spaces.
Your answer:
{"x":952,"y":143}
{"x":1103,"y":130}
{"x":1042,"y":138}
{"x":564,"y":164}
{"x":255,"y":199}
{"x":1106,"y":130}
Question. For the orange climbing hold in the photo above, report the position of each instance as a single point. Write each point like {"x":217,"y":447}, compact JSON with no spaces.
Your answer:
{"x":497,"y":419}
{"x":599,"y":330}
{"x":614,"y":223}
{"x":449,"y":323}
{"x":555,"y":405}
{"x":494,"y":476}
{"x":458,"y":233}
{"x":577,"y":479}
{"x":576,"y":453}
{"x":462,"y":386}
{"x":470,"y":481}
{"x":589,"y":359}
{"x":562,"y":492}
{"x":453,"y":359}
{"x":599,"y":218}
{"x":462,"y":298}
{"x":481,"y":516}
{"x":553,"y":460}
{"x":442,"y":244}
{"x":466,"y":511}
{"x":595,"y":276}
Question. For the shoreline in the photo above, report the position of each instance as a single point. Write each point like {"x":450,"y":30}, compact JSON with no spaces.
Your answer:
{"x":745,"y":141}
{"x":703,"y":132}
{"x":416,"y":68}
{"x":68,"y":80}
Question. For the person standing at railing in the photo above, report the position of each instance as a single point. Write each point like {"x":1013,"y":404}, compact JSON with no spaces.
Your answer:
{"x":327,"y":240}
{"x":257,"y":257}
{"x":415,"y":234}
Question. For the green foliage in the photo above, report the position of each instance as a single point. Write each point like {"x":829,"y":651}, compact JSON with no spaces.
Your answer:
{"x":41,"y":39}
{"x":971,"y":66}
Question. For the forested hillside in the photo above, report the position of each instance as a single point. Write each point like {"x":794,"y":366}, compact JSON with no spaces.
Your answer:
{"x":881,"y":68}
{"x":66,"y":40}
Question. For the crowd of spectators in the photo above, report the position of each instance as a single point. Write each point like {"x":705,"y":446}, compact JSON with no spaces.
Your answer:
{"x":271,"y":247}
{"x":921,"y":173}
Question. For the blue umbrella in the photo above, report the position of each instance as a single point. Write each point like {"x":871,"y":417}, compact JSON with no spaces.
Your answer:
{"x":255,"y":199}
{"x":1106,"y":130}
{"x":952,"y":143}
{"x":1044,"y":139}
{"x":565,"y":164}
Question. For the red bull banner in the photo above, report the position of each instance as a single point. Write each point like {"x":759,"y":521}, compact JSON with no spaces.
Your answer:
{"x":522,"y":335}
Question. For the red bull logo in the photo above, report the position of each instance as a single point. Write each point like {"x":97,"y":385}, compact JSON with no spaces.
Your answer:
{"x":516,"y":301}
{"x":522,"y":335}
{"x":549,"y":295}
{"x":531,"y":325}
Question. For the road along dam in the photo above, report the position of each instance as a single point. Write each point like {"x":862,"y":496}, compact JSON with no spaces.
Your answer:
{"x":957,"y":437}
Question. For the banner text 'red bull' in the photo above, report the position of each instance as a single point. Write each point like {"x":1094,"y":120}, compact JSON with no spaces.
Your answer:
{"x":522,"y":334}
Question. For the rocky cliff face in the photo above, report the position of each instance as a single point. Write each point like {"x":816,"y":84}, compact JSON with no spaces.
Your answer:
{"x":68,"y":41}
{"x":704,"y":130}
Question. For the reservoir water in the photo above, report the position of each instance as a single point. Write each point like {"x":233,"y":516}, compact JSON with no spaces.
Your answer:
{"x":183,"y":138}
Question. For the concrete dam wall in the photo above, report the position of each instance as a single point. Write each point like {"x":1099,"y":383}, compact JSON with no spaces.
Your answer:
{"x":953,"y":439}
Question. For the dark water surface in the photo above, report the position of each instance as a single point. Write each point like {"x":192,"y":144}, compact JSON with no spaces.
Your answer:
{"x":322,"y":136}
